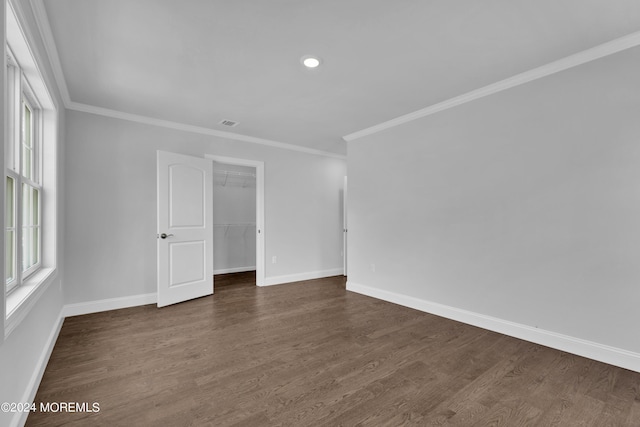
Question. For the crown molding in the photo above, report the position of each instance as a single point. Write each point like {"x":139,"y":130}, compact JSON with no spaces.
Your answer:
{"x":76,"y":106}
{"x":597,"y":52}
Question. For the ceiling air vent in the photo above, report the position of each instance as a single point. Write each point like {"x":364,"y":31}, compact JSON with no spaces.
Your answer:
{"x":229,"y":123}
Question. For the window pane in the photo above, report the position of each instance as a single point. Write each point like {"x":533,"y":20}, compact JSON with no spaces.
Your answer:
{"x":26,"y":162}
{"x":26,"y":204}
{"x":30,"y":226}
{"x":27,"y":126}
{"x":27,"y":141}
{"x":35,"y":212}
{"x":10,"y":233}
{"x":35,"y":245}
{"x":10,"y":202}
{"x":27,"y":249}
{"x":10,"y":256}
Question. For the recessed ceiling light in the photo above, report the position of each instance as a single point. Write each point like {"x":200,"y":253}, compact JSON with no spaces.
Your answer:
{"x":310,"y":61}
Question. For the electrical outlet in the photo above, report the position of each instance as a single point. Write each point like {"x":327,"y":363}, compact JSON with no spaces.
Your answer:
{"x":373,"y":268}
{"x":274,"y":259}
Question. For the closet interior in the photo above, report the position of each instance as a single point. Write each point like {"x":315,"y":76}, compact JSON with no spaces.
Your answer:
{"x":234,"y":218}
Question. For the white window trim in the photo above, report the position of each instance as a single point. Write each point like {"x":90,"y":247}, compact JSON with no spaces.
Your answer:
{"x":22,"y":299}
{"x":19,"y":302}
{"x":9,"y":287}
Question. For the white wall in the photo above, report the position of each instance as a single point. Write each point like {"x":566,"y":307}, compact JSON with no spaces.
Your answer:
{"x":24,"y":354}
{"x":523,"y":206}
{"x":234,"y":209}
{"x":111,"y":205}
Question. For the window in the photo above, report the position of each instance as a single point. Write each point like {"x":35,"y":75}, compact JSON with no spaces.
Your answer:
{"x":31,"y":176}
{"x":23,"y":190}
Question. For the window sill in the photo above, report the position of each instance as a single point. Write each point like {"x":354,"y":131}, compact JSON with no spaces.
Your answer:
{"x":21,"y":301}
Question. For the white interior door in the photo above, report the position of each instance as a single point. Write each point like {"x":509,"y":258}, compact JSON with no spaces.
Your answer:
{"x":185,"y":228}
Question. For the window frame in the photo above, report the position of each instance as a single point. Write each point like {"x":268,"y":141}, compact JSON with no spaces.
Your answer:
{"x":20,"y":98}
{"x":30,"y":101}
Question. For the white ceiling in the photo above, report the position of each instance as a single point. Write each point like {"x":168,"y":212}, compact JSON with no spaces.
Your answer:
{"x":197,"y":62}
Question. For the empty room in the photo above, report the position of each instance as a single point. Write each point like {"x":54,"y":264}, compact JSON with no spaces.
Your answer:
{"x":331,"y":213}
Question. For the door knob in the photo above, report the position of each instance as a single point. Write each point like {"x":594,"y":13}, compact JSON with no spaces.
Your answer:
{"x":164,"y":235}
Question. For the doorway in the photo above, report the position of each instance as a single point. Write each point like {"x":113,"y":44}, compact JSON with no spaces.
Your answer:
{"x":238,"y":218}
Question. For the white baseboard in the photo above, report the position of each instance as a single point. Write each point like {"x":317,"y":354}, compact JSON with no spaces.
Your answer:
{"x":277,"y":280}
{"x":20,"y":418}
{"x":108,"y":304}
{"x":234,"y":270}
{"x":592,"y":350}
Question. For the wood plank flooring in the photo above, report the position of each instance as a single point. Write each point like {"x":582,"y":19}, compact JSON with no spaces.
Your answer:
{"x":312,"y":354}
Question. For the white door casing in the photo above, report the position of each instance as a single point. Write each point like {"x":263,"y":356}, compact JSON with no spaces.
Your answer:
{"x":345,"y":229}
{"x":185,"y":228}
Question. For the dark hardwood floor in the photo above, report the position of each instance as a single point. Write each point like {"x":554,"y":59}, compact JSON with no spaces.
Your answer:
{"x":311,"y":353}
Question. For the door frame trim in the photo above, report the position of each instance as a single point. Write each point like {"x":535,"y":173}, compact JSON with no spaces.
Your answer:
{"x":345,"y":227}
{"x":260,"y":224}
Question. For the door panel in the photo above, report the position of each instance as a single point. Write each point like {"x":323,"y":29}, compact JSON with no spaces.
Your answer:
{"x":185,"y":228}
{"x":186,"y":196}
{"x":189,"y":257}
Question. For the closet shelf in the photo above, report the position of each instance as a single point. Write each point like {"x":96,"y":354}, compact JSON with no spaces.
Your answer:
{"x":245,"y":177}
